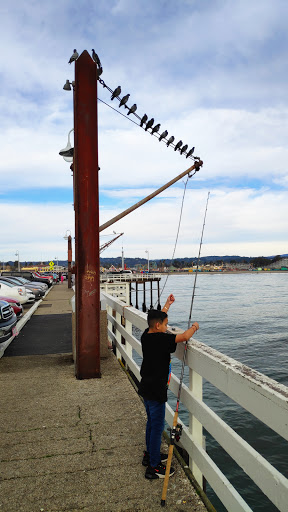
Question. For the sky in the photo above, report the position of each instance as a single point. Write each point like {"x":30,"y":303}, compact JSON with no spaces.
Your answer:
{"x":212,"y":72}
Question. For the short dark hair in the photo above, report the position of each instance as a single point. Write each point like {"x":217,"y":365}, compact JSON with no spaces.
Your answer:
{"x":154,"y":315}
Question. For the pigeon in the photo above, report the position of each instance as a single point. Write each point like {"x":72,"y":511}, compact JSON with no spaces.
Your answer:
{"x":163,"y":135}
{"x":116,"y":92}
{"x":144,"y":119}
{"x":99,"y":72}
{"x":170,"y":141}
{"x":132,"y":109}
{"x":124,"y":100}
{"x":96,"y":59}
{"x":155,"y":129}
{"x":74,"y":56}
{"x":149,"y":124}
{"x":178,"y":145}
{"x":190,"y":153}
{"x":182,"y":150}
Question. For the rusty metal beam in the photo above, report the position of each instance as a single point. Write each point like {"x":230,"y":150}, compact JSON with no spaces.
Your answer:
{"x":196,"y":166}
{"x":86,"y":204}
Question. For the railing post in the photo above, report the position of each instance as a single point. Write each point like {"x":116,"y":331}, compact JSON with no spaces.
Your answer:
{"x":128,"y":328}
{"x":195,"y":427}
{"x":118,"y":334}
{"x":109,"y":324}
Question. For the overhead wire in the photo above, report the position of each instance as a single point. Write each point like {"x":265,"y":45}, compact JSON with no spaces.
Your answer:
{"x":176,"y":146}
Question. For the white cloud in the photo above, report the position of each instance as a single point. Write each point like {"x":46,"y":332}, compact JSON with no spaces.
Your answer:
{"x":238,"y":222}
{"x":36,"y":231}
{"x":219,"y":85}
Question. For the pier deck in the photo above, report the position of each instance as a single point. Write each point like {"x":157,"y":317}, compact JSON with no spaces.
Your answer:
{"x":72,"y":445}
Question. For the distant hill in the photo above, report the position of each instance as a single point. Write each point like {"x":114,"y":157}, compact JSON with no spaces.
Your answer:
{"x":183,"y":262}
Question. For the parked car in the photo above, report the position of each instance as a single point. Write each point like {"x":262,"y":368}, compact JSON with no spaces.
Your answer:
{"x":22,"y":280}
{"x":42,"y":276}
{"x":15,"y":292}
{"x":54,"y":275}
{"x":15,"y":280}
{"x":27,"y":275}
{"x":16,"y":306}
{"x":8,"y":321}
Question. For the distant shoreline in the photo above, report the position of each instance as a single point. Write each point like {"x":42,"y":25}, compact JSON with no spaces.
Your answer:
{"x":226,"y":272}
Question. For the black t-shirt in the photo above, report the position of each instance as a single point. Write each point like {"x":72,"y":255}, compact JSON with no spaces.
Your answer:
{"x":156,"y":348}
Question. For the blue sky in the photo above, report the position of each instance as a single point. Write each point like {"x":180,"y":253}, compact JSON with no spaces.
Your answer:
{"x":213,"y":73}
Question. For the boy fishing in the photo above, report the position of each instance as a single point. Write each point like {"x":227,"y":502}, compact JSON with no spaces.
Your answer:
{"x":157,"y":345}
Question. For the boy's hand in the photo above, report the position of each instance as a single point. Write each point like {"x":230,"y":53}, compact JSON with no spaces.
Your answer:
{"x":170,"y":299}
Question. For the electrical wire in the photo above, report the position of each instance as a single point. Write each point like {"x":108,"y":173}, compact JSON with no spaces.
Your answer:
{"x":164,"y":139}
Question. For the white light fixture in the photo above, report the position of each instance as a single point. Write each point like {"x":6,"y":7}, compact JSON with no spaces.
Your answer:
{"x":67,"y":234}
{"x":67,"y":153}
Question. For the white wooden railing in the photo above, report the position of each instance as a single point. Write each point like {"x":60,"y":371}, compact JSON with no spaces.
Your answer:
{"x":119,"y":278}
{"x":266,"y":399}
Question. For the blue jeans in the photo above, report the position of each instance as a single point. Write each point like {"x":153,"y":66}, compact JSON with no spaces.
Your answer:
{"x":154,"y":428}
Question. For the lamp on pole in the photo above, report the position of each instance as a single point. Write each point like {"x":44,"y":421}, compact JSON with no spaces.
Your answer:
{"x":67,"y":152}
{"x":147,"y":260}
{"x":56,"y":259}
{"x":17,"y":254}
{"x":69,"y":238}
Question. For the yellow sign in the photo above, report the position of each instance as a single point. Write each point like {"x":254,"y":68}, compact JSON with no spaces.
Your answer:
{"x":51,"y":264}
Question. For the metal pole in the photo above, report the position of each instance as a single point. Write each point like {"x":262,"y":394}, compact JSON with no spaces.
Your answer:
{"x":86,"y":219}
{"x":197,"y":164}
{"x":69,"y":261}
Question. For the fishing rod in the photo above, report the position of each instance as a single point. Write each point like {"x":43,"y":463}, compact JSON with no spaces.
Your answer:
{"x":176,"y":429}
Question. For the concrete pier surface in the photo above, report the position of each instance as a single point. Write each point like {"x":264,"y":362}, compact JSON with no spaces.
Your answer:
{"x":74,"y":445}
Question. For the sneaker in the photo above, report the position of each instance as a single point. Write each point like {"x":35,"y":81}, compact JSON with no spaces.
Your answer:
{"x":146,"y":458}
{"x":158,"y":472}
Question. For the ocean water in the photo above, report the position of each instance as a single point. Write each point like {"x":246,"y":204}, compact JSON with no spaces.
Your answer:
{"x":245,"y":316}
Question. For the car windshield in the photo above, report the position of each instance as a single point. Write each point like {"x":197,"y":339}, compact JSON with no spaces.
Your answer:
{"x":7,"y":283}
{"x":10,"y":280}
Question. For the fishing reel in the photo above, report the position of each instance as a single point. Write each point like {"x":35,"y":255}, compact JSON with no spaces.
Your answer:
{"x":175,"y":433}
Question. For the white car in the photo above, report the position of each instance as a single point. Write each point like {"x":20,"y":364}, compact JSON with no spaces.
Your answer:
{"x":15,"y":292}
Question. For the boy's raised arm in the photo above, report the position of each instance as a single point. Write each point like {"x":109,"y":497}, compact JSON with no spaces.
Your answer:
{"x":169,"y":301}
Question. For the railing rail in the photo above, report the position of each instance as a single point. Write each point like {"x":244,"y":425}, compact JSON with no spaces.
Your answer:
{"x":129,"y":277}
{"x":263,"y":397}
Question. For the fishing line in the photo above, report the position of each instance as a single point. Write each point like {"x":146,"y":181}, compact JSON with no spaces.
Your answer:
{"x":177,"y":429}
{"x":198,"y":261}
{"x":177,"y":235}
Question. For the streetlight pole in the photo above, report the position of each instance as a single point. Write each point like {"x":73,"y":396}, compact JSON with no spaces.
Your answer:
{"x":17,"y":254}
{"x":147,"y":261}
{"x":69,"y":238}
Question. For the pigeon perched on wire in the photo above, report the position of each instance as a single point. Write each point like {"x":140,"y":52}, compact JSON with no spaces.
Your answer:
{"x":132,"y":109}
{"x":170,"y":141}
{"x":190,"y":153}
{"x":124,"y":100}
{"x":178,"y":145}
{"x":149,"y":124}
{"x":155,"y":129}
{"x":144,"y":120}
{"x":99,"y":72}
{"x":163,"y":135}
{"x":96,"y":58}
{"x":73,"y":57}
{"x":182,"y":150}
{"x":116,"y":92}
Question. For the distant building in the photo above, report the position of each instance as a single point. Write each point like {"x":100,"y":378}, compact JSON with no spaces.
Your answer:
{"x":280,"y":263}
